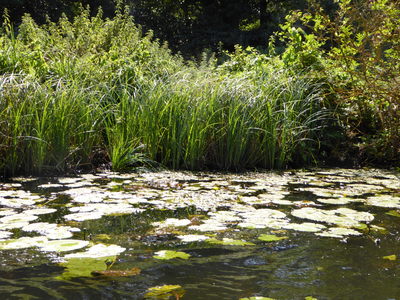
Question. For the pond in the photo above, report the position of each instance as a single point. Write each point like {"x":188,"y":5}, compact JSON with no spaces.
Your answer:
{"x":302,"y":234}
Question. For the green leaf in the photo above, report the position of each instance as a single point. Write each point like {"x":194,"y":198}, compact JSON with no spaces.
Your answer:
{"x":164,"y":292}
{"x":229,"y":242}
{"x":84,"y":266}
{"x":393,"y":213}
{"x":271,"y":238}
{"x":390,"y":257}
{"x":168,"y":254}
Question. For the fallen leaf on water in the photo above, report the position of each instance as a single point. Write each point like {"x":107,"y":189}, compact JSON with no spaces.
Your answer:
{"x":390,"y":257}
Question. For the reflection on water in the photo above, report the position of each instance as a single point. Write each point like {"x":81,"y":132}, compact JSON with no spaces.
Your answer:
{"x":146,"y":212}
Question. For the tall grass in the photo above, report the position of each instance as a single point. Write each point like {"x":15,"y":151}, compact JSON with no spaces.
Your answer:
{"x":77,"y":93}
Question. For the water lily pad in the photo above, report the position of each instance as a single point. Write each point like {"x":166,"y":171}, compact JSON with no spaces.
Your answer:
{"x":49,"y":185}
{"x":51,"y":231}
{"x":96,"y":251}
{"x":338,"y":232}
{"x":7,"y":212}
{"x":271,"y":238}
{"x":23,"y":242}
{"x":18,"y":218}
{"x":69,"y":180}
{"x":209,"y":225}
{"x":16,"y":202}
{"x":40,"y":211}
{"x":335,"y":201}
{"x":393,"y":213}
{"x":305,"y":227}
{"x":165,"y":292}
{"x":84,"y":266}
{"x":344,"y":217}
{"x":168,"y":254}
{"x":63,"y":245}
{"x":172,"y":222}
{"x":5,"y":234}
{"x":229,"y":242}
{"x":79,"y":217}
{"x":189,"y":238}
{"x":384,"y":201}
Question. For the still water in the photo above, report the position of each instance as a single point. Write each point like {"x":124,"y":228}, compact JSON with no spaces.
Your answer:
{"x":321,"y":234}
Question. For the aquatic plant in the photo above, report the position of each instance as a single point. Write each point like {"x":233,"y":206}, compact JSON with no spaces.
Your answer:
{"x":80,"y":93}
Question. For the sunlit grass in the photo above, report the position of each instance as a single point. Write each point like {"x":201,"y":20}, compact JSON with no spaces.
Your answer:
{"x":91,"y":91}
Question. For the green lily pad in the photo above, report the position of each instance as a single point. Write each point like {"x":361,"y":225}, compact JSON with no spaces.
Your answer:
{"x":189,"y":238}
{"x":338,"y":232}
{"x":165,"y":292}
{"x":384,"y":201}
{"x":271,"y":238}
{"x":5,"y":234}
{"x":172,"y":222}
{"x":393,"y":213}
{"x":63,"y":245}
{"x":23,"y":242}
{"x":344,"y":217}
{"x":96,"y":251}
{"x":390,"y":257}
{"x":168,"y":254}
{"x":84,"y":266}
{"x":40,"y":211}
{"x":305,"y":227}
{"x":229,"y":242}
{"x":18,"y":218}
{"x":51,"y":231}
{"x":79,"y":217}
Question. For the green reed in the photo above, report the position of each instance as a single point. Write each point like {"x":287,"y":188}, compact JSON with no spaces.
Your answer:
{"x":91,"y":91}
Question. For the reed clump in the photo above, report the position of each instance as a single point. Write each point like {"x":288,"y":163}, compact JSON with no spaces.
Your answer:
{"x":76,"y":94}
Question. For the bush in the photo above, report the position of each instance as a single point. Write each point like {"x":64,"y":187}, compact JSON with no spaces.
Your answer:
{"x":357,"y":52}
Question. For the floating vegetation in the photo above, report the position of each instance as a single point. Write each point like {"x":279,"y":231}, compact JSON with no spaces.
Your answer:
{"x":96,"y":251}
{"x":63,"y":245}
{"x":165,"y":292}
{"x":229,"y":242}
{"x":271,"y":238}
{"x":169,"y":254}
{"x":338,"y":232}
{"x":189,"y":238}
{"x":69,"y":220}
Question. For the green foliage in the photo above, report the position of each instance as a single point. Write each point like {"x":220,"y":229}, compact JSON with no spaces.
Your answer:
{"x":357,"y":51}
{"x":92,"y":90}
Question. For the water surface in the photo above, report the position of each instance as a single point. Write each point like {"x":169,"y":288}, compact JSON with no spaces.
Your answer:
{"x":339,"y":233}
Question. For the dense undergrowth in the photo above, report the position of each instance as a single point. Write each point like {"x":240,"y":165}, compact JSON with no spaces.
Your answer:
{"x":78,"y":94}
{"x":89,"y":92}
